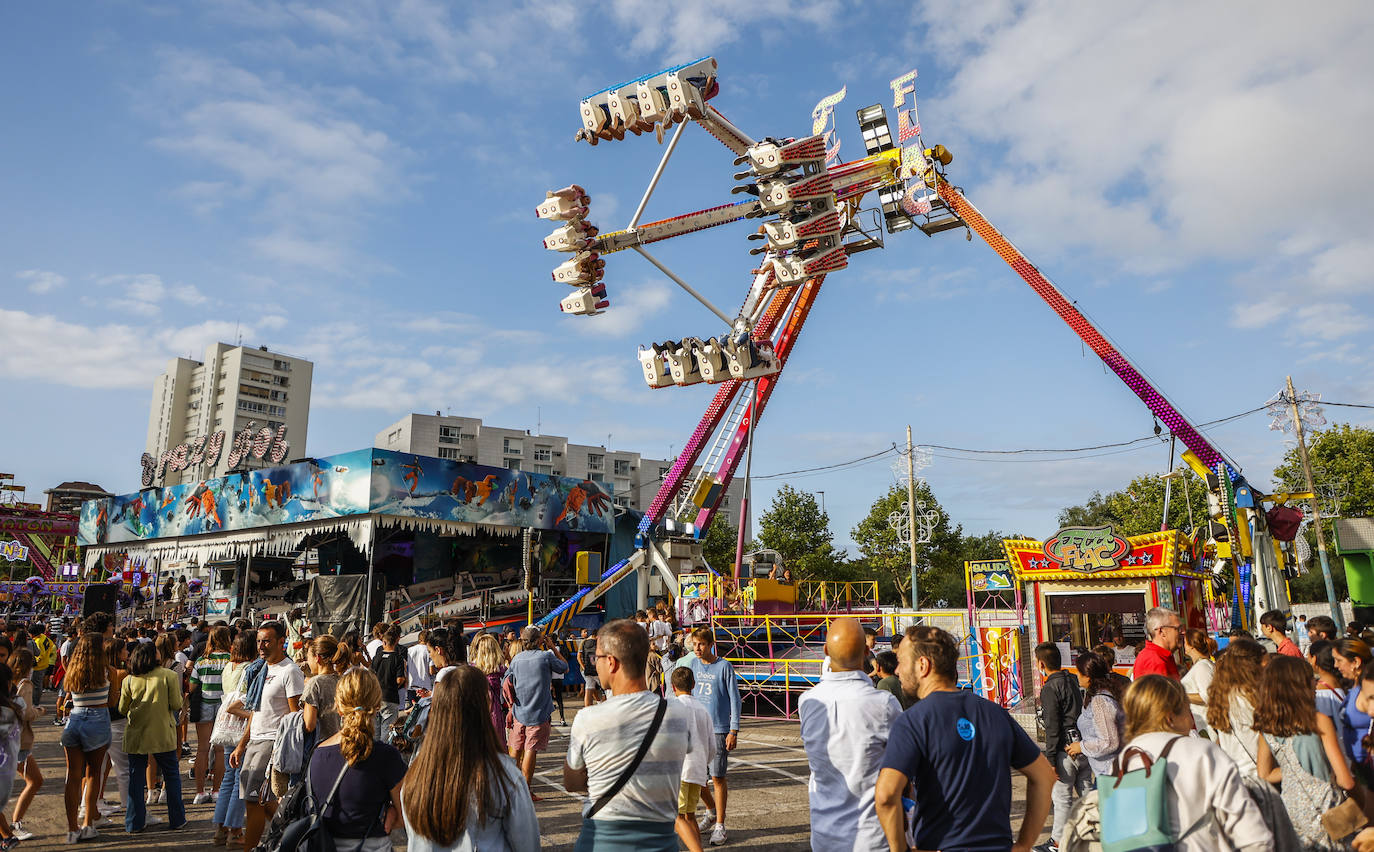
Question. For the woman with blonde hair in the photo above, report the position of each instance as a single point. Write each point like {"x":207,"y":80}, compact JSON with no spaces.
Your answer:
{"x":86,"y":735}
{"x":486,"y":656}
{"x":368,"y":773}
{"x":463,"y":791}
{"x":1208,"y":806}
{"x":21,"y":663}
{"x":1231,"y":700}
{"x":1200,"y":648}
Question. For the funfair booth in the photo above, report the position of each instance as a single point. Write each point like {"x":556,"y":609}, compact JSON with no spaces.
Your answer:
{"x":1085,"y":580}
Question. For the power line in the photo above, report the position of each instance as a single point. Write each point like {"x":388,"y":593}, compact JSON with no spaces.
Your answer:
{"x":1345,"y":404}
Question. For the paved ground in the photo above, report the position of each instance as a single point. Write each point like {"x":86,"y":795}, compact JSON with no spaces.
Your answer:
{"x":767,"y":806}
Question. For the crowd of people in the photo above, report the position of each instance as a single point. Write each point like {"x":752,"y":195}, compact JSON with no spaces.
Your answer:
{"x":441,"y":736}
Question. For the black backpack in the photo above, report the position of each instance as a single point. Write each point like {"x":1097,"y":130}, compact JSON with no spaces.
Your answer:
{"x":299,"y":821}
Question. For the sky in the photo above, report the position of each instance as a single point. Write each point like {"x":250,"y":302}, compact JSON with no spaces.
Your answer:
{"x":354,"y":183}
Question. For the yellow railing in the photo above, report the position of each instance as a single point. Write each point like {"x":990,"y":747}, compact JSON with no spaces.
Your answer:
{"x":831,"y":595}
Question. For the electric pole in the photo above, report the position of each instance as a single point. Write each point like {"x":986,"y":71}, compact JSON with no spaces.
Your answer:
{"x":911,"y":510}
{"x":1316,"y":509}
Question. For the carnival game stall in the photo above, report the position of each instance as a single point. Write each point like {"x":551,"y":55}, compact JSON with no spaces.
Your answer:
{"x":1088,"y":584}
{"x":998,"y":645}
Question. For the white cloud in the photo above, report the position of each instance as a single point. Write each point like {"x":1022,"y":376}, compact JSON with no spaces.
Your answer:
{"x":41,"y":281}
{"x":1163,"y":136}
{"x":631,"y":305}
{"x":146,"y":294}
{"x":693,"y":28}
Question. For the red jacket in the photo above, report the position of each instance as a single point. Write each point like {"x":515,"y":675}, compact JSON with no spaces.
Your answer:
{"x":1288,"y":648}
{"x":1153,"y":659}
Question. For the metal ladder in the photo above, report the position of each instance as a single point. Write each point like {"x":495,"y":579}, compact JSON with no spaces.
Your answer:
{"x":683,"y":504}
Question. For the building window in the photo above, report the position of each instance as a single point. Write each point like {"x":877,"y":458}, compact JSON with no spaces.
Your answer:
{"x":622,"y":500}
{"x":512,"y":464}
{"x":448,"y":453}
{"x":543,"y":468}
{"x":597,"y":477}
{"x":622,"y":467}
{"x":596,"y":461}
{"x":450,"y":435}
{"x":468,"y":459}
{"x":393,"y":436}
{"x":543,"y":454}
{"x":514,"y":447}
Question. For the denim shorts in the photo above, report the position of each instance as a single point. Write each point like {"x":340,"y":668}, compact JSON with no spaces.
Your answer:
{"x":88,"y":728}
{"x":207,"y":711}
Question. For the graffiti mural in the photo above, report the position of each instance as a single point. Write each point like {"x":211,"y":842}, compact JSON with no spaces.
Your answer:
{"x":361,"y":482}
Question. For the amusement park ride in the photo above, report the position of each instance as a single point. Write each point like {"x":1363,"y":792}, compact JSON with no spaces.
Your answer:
{"x":810,"y":223}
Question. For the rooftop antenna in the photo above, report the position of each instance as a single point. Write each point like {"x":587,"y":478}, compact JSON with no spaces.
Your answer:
{"x":538,"y":420}
{"x":237,"y":337}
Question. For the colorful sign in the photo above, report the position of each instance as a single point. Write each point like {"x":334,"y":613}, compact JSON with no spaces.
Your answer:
{"x":206,"y":450}
{"x":1077,"y":552}
{"x":990,"y":575}
{"x":362,"y":482}
{"x":999,"y":665}
{"x":1087,"y":549}
{"x":13,"y":551}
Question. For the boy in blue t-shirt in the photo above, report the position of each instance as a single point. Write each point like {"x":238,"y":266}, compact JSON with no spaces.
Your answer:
{"x":717,"y":690}
{"x":956,"y":747}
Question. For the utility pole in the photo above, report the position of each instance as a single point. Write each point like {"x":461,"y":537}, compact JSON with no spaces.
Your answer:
{"x":911,"y":509}
{"x":1316,"y":509}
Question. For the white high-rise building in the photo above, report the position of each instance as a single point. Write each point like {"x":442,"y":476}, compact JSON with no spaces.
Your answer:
{"x":633,"y":478}
{"x":233,"y":386}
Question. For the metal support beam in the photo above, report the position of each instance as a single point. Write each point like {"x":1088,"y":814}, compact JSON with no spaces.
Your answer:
{"x":728,"y":320}
{"x":658,"y":173}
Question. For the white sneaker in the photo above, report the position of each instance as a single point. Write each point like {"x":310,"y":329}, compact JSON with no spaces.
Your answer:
{"x":705,"y":823}
{"x":201,"y":798}
{"x":17,"y":828}
{"x":162,"y":796}
{"x":214,"y":795}
{"x":73,"y":837}
{"x":149,"y":799}
{"x":154,"y":820}
{"x":88,"y":832}
{"x":718,"y":835}
{"x":108,"y":808}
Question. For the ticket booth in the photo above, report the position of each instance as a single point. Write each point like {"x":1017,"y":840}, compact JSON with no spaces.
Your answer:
{"x":1087,"y":583}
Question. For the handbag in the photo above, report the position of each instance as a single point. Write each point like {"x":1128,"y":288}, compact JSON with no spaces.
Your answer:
{"x":306,"y":833}
{"x":228,"y":729}
{"x":634,"y":764}
{"x":1342,"y":820}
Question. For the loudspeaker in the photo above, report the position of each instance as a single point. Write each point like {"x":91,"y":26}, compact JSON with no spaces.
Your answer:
{"x":100,"y":597}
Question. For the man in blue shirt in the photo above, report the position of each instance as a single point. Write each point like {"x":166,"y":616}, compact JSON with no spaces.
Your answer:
{"x":717,"y":689}
{"x":531,"y":676}
{"x":955,"y":748}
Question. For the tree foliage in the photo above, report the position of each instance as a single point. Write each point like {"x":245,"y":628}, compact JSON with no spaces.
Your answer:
{"x":719,"y":545}
{"x":940,"y":563}
{"x":1139,"y":507}
{"x":797,"y":528}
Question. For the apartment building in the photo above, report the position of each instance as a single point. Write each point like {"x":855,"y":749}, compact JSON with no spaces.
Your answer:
{"x":233,"y":386}
{"x":634,"y":478}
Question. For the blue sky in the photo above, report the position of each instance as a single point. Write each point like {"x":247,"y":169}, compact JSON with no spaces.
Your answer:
{"x":354,"y":183}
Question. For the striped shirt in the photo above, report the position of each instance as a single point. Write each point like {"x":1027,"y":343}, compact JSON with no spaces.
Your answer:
{"x":98,"y":697}
{"x":208,"y":674}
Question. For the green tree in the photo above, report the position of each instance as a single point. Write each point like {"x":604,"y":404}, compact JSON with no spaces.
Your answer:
{"x":1342,"y":459}
{"x":940,"y":563}
{"x":719,"y":545}
{"x":1139,"y":507}
{"x":799,"y":531}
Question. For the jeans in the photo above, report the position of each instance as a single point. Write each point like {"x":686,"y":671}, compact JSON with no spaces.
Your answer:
{"x":229,"y":807}
{"x":1080,"y":781}
{"x":136,"y":815}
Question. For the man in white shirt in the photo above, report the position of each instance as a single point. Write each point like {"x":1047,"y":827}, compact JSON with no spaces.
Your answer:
{"x":660,"y":632}
{"x":417,"y":666}
{"x":378,"y":630}
{"x":282,"y":686}
{"x":604,"y":740}
{"x":844,"y":727}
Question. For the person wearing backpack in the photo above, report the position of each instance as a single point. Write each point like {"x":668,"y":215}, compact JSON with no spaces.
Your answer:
{"x":1206,"y":807}
{"x":1061,"y":702}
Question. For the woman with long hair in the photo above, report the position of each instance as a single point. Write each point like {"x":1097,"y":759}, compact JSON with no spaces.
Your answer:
{"x":1200,"y":648}
{"x":21,"y":664}
{"x":151,"y":698}
{"x":86,"y":736}
{"x":1351,"y":657}
{"x":486,"y":655}
{"x":357,"y":655}
{"x":1331,"y":690}
{"x":230,"y":809}
{"x":1102,"y":719}
{"x":1207,"y":804}
{"x":1298,"y":747}
{"x":1231,"y":702}
{"x":463,"y":791}
{"x":207,"y":679}
{"x":117,"y":656}
{"x":368,"y":772}
{"x":325,"y":655}
{"x":445,"y":651}
{"x":11,"y":724}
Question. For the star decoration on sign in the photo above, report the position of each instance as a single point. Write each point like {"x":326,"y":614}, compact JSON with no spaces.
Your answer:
{"x":1146,"y":559}
{"x":1129,"y":560}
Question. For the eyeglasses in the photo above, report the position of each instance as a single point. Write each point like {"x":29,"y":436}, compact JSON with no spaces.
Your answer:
{"x":1171,"y":627}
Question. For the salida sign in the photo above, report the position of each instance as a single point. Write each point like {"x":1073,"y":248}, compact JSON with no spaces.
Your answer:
{"x":261,"y":443}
